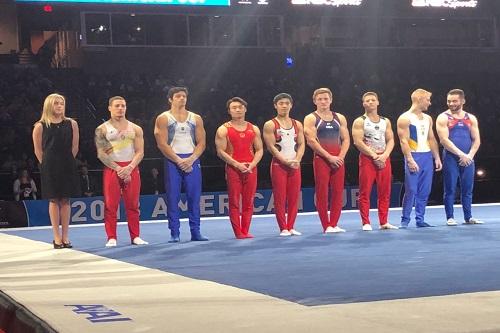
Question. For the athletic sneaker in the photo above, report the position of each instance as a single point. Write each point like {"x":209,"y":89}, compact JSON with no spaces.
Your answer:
{"x":139,"y":241}
{"x":295,"y":232}
{"x":111,"y":242}
{"x":338,"y":229}
{"x":329,"y":230}
{"x":367,"y":227}
{"x":424,"y":225}
{"x":285,"y":233}
{"x":473,"y":221}
{"x":388,"y":226}
{"x":451,"y":222}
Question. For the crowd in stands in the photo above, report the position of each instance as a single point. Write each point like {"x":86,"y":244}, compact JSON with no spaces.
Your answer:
{"x":22,"y":91}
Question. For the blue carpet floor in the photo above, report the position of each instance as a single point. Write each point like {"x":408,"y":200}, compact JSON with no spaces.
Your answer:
{"x":318,"y":269}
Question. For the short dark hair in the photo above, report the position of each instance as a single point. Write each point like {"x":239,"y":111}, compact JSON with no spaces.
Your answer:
{"x":115,"y":98}
{"x":174,"y":90}
{"x":458,"y":92}
{"x":282,"y":96}
{"x":236,"y":99}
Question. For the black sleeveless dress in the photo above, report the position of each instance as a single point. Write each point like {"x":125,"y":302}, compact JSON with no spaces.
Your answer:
{"x":59,"y":177}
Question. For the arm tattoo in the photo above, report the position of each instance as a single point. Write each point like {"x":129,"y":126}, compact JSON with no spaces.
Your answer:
{"x":104,"y":148}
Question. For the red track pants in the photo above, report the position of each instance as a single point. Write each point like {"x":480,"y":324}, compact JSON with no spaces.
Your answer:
{"x":113,"y":189}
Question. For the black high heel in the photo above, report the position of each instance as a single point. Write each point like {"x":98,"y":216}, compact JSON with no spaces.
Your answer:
{"x":67,"y":245}
{"x":57,"y":246}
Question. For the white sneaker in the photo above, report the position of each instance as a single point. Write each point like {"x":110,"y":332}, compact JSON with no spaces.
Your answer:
{"x":295,"y":232}
{"x":329,"y":230}
{"x":473,"y":221}
{"x":139,"y":241}
{"x":451,"y":222}
{"x":285,"y":233}
{"x":338,"y":229}
{"x":367,"y":227}
{"x":388,"y":226}
{"x":111,"y":242}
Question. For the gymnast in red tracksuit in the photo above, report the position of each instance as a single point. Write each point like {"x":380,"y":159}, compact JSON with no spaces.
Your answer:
{"x":120,"y":147}
{"x":372,"y":135}
{"x":239,"y":144}
{"x":327,"y":134}
{"x":284,"y":139}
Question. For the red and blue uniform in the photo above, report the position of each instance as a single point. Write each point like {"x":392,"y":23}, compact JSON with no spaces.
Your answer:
{"x":240,"y":185}
{"x":328,"y":179}
{"x":286,"y":181}
{"x":460,"y":134}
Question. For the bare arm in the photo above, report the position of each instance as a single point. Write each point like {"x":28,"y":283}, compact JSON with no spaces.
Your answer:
{"x":344,"y":137}
{"x":221,"y":146}
{"x":444,"y":134}
{"x":76,"y":138}
{"x":258,"y":148}
{"x":33,"y":188}
{"x":389,"y":142}
{"x":301,"y":145}
{"x":434,"y":145}
{"x":104,"y":147}
{"x":37,"y":141}
{"x":358,"y":135}
{"x":403,"y":134}
{"x":476,"y":139}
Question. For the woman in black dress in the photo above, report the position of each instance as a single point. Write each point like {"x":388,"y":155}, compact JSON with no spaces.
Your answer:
{"x":55,"y":139}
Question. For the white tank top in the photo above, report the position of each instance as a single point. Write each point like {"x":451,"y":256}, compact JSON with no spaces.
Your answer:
{"x":419,"y":134}
{"x":121,"y":141}
{"x":374,"y":134}
{"x":286,"y":139}
{"x":181,"y":135}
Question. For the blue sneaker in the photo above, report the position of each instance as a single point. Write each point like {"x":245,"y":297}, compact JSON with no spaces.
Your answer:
{"x":197,"y":237}
{"x":174,"y":239}
{"x":424,"y":225}
{"x":403,"y":225}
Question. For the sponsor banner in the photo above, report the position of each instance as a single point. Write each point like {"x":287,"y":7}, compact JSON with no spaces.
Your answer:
{"x":153,"y":207}
{"x":13,"y":214}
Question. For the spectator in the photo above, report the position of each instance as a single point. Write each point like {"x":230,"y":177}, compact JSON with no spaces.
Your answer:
{"x":24,"y":187}
{"x":87,"y":183}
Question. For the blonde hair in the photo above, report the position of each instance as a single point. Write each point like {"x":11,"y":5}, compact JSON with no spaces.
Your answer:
{"x":322,"y":91}
{"x":418,"y":94}
{"x":369,"y":93}
{"x":48,"y":108}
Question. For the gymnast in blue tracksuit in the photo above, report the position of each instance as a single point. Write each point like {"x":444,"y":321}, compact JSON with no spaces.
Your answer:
{"x":458,"y":132}
{"x":419,"y":147}
{"x":180,"y":136}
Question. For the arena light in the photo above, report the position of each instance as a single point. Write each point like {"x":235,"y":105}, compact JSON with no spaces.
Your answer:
{"x":334,"y":3}
{"x":481,"y":173}
{"x":445,"y":3}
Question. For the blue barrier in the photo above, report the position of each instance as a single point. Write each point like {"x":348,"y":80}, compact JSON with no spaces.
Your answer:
{"x":153,"y":207}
